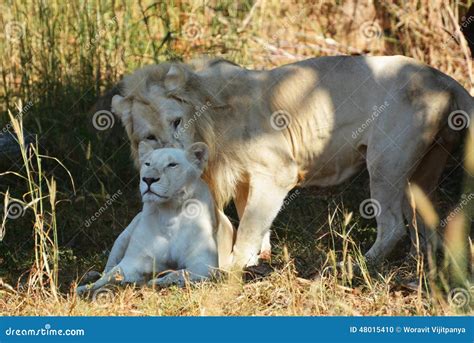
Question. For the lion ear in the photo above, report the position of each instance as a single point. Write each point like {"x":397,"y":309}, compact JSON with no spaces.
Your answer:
{"x":198,"y":155}
{"x":144,"y":149}
{"x":175,"y":78}
{"x":122,"y":108}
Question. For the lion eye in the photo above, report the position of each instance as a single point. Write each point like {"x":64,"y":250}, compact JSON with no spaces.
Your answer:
{"x":176,"y":123}
{"x":172,"y":165}
{"x":151,"y":137}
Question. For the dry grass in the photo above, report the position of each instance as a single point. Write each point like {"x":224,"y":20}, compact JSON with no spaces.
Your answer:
{"x":335,"y":291}
{"x":61,"y":55}
{"x":279,"y":294}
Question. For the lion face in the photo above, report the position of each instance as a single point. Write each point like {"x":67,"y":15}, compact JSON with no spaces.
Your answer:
{"x":155,"y":105}
{"x":167,"y":173}
{"x":161,"y":120}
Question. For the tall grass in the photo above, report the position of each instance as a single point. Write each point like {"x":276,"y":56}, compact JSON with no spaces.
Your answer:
{"x":40,"y":199}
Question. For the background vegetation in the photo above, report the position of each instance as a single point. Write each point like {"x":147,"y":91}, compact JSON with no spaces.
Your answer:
{"x":58,"y":57}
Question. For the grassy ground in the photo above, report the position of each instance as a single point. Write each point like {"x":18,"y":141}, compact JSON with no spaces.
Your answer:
{"x":58,"y":57}
{"x":281,"y":293}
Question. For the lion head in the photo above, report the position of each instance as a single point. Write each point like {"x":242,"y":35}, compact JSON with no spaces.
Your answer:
{"x":167,"y":105}
{"x":167,"y":174}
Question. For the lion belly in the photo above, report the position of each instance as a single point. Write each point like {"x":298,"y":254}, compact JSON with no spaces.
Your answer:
{"x":332,"y":169}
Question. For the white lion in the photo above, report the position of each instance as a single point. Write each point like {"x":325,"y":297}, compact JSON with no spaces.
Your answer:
{"x":317,"y":122}
{"x":177,"y":231}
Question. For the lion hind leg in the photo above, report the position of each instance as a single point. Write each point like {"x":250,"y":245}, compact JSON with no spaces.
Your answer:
{"x":390,"y":223}
{"x":389,"y":175}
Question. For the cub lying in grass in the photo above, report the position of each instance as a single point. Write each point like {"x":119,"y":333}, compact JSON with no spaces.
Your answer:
{"x":178,"y":230}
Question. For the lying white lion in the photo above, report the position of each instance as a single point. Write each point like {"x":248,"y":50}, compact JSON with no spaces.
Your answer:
{"x":177,"y":231}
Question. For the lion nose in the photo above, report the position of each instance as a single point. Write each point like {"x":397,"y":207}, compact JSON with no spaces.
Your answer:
{"x":150,"y":180}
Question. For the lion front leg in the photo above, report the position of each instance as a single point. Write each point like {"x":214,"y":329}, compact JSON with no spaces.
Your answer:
{"x":113,"y":277}
{"x":266,"y":248}
{"x":240,"y":202}
{"x":118,"y":275}
{"x":264,"y":201}
{"x":225,"y":240}
{"x":121,"y":245}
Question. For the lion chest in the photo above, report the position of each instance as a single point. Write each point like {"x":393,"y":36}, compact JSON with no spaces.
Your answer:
{"x":170,"y":242}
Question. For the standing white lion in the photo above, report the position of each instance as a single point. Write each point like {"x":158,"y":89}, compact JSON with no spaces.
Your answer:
{"x":316,"y":122}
